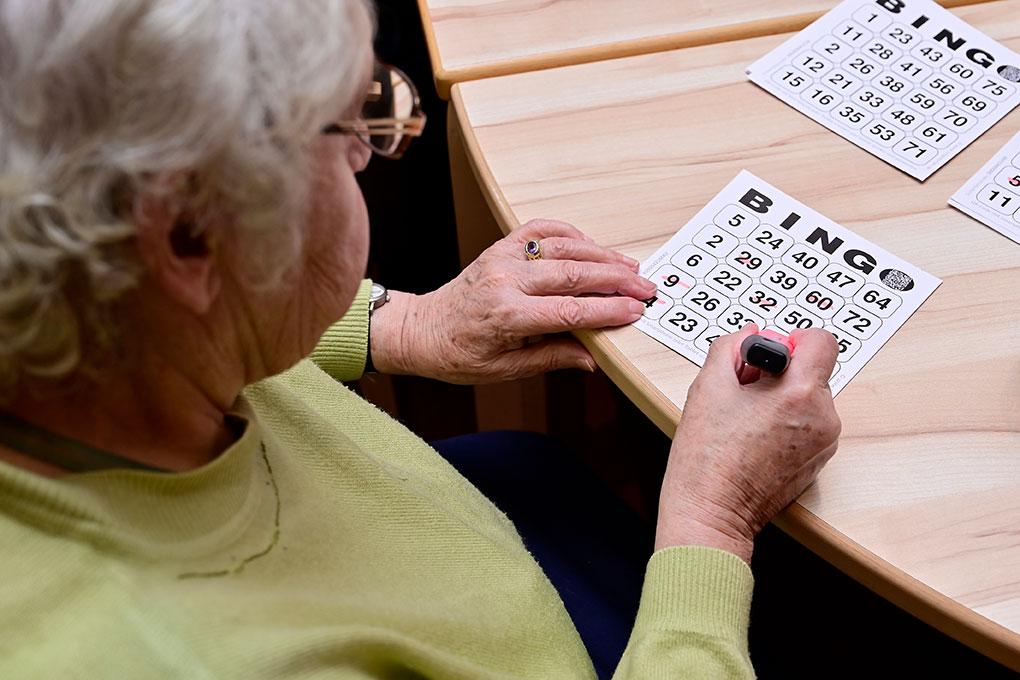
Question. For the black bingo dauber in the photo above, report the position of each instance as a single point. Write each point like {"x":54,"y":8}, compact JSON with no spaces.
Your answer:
{"x":768,"y":351}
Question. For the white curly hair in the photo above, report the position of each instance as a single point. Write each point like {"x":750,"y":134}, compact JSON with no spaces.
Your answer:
{"x":98,"y":98}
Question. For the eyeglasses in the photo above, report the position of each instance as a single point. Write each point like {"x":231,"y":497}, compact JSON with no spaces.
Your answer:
{"x":390,"y":116}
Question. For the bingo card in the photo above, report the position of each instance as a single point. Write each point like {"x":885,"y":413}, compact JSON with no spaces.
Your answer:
{"x":755,"y":254}
{"x":904,"y":79}
{"x":992,"y":195}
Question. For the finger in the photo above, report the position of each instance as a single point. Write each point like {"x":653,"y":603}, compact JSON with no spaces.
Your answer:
{"x":814,"y":355}
{"x":724,"y":361}
{"x":748,"y":374}
{"x":811,"y":469}
{"x":556,"y":314}
{"x":541,"y":357}
{"x":570,"y":277}
{"x":559,"y":248}
{"x":794,"y":485}
{"x":542,"y":228}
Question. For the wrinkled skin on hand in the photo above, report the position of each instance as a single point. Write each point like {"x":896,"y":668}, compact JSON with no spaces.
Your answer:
{"x":748,"y":443}
{"x":489,"y":324}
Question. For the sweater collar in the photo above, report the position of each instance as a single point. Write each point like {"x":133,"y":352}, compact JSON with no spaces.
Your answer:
{"x":152,"y":513}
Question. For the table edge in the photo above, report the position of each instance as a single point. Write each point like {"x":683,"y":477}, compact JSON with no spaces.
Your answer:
{"x":938,"y":610}
{"x":444,"y":79}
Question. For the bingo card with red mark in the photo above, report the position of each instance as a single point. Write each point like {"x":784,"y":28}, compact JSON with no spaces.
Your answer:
{"x":754,"y":254}
{"x":992,"y":195}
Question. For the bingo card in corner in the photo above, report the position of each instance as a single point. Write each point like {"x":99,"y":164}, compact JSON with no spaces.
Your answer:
{"x":755,"y":254}
{"x":992,"y":195}
{"x":904,"y":79}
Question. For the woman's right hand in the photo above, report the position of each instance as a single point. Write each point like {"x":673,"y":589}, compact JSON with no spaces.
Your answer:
{"x":743,"y":452}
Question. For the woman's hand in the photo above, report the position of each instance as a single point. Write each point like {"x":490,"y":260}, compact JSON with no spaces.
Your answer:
{"x":743,"y":452}
{"x":488,"y":324}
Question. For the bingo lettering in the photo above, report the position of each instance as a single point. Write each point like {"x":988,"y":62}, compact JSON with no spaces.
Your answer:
{"x":977,"y":55}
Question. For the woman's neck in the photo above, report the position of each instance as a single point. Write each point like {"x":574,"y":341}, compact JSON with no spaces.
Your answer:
{"x":154,"y":413}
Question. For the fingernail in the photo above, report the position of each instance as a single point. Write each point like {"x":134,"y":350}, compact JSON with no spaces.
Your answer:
{"x":631,"y":262}
{"x":636,"y":307}
{"x":648,"y":285}
{"x":587,"y":365}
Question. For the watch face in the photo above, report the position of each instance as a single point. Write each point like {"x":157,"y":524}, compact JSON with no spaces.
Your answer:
{"x":377,"y":297}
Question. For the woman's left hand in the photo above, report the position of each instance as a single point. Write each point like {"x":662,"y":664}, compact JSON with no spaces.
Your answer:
{"x":489,"y":323}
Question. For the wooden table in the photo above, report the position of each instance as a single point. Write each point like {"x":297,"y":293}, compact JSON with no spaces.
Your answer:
{"x":470,"y":39}
{"x":922,"y":503}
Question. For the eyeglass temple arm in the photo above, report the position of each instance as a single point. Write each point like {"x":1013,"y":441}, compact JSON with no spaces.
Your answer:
{"x":379,"y":126}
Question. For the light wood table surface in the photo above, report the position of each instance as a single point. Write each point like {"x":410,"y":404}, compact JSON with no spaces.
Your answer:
{"x":470,"y":39}
{"x":922,"y":503}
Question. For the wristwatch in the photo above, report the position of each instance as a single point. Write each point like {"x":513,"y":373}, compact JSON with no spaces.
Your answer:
{"x":377,"y":297}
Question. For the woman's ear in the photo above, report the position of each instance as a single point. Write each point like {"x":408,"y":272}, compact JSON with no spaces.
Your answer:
{"x":178,"y":254}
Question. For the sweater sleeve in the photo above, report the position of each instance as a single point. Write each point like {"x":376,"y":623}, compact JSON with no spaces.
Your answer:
{"x":693,"y":618}
{"x":342,"y":350}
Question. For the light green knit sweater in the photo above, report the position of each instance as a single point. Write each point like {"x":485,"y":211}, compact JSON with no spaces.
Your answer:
{"x":327,"y":542}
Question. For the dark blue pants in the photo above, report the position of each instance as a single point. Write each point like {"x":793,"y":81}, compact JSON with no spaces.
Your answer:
{"x":591,"y":545}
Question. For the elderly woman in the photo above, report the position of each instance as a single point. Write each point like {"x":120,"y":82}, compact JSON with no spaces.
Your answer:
{"x":182,"y":494}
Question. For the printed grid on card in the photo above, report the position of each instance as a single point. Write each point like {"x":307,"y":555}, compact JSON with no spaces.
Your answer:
{"x":992,"y":195}
{"x":753,"y":254}
{"x":904,"y":79}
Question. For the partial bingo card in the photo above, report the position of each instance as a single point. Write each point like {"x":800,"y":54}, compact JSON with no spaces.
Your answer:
{"x":992,"y":195}
{"x":904,"y":79}
{"x":755,"y":254}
